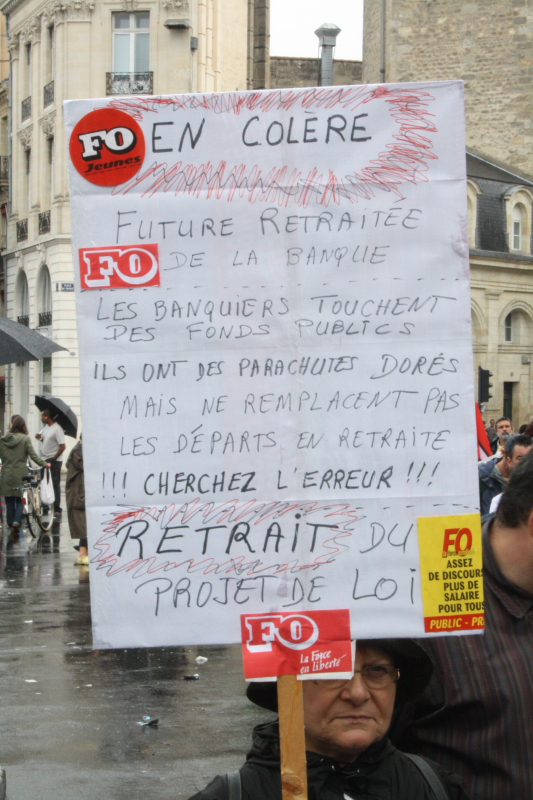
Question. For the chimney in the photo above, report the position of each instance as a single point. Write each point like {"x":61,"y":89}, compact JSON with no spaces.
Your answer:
{"x":327,"y":37}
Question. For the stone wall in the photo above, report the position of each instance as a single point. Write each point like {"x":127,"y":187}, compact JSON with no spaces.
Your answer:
{"x":286,"y":72}
{"x":486,"y":43}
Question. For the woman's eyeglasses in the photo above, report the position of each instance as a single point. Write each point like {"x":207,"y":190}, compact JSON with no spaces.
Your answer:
{"x":375,"y":676}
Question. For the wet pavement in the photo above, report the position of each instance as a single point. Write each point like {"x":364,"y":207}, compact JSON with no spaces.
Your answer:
{"x":70,"y":714}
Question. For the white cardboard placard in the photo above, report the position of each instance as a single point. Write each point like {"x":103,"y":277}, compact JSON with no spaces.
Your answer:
{"x":263,"y":429}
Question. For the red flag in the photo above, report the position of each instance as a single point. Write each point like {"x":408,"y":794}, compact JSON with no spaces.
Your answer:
{"x":484,"y":449}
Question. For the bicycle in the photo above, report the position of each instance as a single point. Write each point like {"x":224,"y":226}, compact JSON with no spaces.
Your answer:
{"x":34,"y":512}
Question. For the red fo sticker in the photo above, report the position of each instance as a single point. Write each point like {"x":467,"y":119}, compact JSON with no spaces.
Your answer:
{"x":120,"y":266}
{"x":107,"y":147}
{"x":304,"y":643}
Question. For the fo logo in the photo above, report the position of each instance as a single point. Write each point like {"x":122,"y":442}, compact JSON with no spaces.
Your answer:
{"x":107,"y":147}
{"x":295,"y":631}
{"x":120,"y":267}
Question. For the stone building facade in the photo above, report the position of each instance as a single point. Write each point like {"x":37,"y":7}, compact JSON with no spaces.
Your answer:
{"x":287,"y":72}
{"x":486,"y":43}
{"x":489,"y":45}
{"x":500,"y":205}
{"x":64,"y":49}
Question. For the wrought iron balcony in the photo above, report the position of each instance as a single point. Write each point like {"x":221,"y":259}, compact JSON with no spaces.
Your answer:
{"x":24,"y":319}
{"x":129,"y":82}
{"x":45,"y":319}
{"x":44,"y":222}
{"x":4,"y":168}
{"x":25,"y":112}
{"x":48,"y":94}
{"x":22,"y":230}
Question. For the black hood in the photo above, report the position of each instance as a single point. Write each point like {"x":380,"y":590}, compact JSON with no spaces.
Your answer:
{"x":416,"y":669}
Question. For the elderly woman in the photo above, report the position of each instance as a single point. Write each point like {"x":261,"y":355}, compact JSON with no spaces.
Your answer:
{"x":346,"y":722}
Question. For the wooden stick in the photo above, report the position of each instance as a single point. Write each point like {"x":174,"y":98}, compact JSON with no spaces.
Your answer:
{"x":292,"y":738}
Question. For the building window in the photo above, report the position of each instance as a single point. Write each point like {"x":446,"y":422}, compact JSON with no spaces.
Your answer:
{"x":28,"y":68}
{"x":473,"y":191}
{"x":27,"y":164}
{"x":131,"y":42}
{"x":45,"y":382}
{"x":23,"y":295}
{"x":51,"y":153}
{"x":508,"y":328}
{"x":508,"y":400}
{"x":51,"y":53}
{"x":519,"y":202}
{"x":48,"y":183}
{"x":517,"y":227}
{"x":24,"y":389}
{"x":45,"y":298}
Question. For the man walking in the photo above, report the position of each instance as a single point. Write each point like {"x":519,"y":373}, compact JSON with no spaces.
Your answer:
{"x":475,"y":716}
{"x":52,"y":448}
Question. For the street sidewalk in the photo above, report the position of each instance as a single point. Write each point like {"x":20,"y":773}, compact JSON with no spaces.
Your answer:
{"x":70,"y":715}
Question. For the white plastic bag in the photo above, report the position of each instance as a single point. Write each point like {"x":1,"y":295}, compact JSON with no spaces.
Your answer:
{"x":47,"y":489}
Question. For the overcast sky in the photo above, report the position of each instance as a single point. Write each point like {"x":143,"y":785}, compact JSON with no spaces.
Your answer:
{"x":293,"y":23}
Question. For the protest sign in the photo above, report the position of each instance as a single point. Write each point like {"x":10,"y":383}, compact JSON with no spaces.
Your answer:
{"x":275,"y":339}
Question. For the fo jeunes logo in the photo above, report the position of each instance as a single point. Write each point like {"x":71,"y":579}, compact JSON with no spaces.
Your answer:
{"x":295,"y":631}
{"x":120,"y":267}
{"x":107,"y":147}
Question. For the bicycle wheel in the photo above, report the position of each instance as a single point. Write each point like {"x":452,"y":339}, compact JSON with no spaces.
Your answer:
{"x":43,"y":514}
{"x":27,"y":515}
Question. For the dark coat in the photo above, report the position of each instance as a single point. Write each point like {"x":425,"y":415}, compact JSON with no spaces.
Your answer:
{"x":380,"y":772}
{"x":490,"y":484}
{"x":75,"y":494}
{"x":15,"y":449}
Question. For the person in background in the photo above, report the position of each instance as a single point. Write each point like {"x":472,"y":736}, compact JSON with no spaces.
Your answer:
{"x":53,"y":446}
{"x":474,"y":718}
{"x":346,"y":723}
{"x":491,"y":431}
{"x":516,"y":447}
{"x":15,"y":449}
{"x":494,"y":473}
{"x":504,"y":429}
{"x":75,"y":497}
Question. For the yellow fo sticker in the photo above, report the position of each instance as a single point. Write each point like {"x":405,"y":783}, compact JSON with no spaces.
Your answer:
{"x":451,"y":567}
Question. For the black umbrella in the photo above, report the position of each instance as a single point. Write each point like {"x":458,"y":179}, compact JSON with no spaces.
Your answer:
{"x":19,"y":343}
{"x":61,"y":413}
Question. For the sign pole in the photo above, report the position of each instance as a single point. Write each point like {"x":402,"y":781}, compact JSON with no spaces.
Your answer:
{"x":292,"y":738}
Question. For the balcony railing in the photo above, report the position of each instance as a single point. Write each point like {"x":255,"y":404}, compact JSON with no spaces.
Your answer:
{"x":44,"y":222}
{"x":45,"y":319}
{"x":25,"y":109}
{"x":4,"y":168}
{"x":22,"y":230}
{"x":24,"y":319}
{"x":48,"y":94}
{"x":129,"y":82}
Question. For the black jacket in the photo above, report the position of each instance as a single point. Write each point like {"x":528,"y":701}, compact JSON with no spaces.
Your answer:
{"x":380,"y":773}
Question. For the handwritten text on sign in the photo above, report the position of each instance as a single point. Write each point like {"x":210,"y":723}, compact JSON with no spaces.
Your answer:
{"x":275,"y":340}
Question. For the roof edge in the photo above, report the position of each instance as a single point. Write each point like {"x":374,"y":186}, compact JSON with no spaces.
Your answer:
{"x":523,"y":177}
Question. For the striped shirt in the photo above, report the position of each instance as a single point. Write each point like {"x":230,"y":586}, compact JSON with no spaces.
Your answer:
{"x":476,"y":717}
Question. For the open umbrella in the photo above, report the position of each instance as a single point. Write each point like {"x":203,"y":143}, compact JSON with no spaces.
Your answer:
{"x":61,"y":412}
{"x":19,"y":343}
